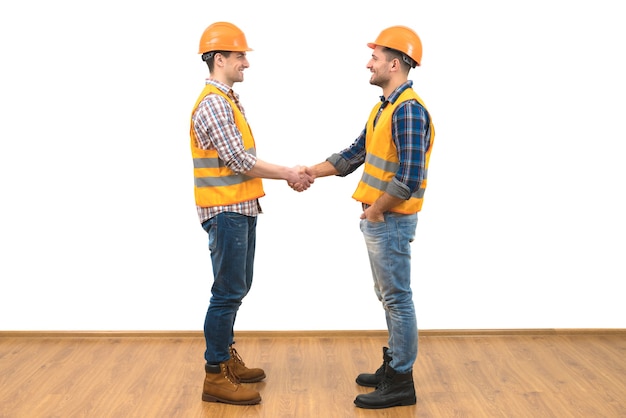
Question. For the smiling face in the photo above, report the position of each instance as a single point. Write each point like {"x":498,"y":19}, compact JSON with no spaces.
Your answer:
{"x":387,"y":68}
{"x":380,"y":68}
{"x":229,"y":69}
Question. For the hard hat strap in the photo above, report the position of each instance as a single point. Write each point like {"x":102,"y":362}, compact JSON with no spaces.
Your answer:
{"x":409,"y":61}
{"x":207,"y":55}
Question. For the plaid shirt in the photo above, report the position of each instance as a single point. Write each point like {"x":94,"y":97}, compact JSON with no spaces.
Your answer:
{"x":214,"y":125}
{"x":411,"y":134}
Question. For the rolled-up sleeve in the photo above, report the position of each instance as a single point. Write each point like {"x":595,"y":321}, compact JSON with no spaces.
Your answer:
{"x":351,"y":158}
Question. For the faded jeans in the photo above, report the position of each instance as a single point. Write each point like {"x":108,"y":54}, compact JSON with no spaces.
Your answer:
{"x":389,"y":249}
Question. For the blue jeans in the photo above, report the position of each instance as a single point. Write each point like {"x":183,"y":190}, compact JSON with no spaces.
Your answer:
{"x":232,"y":242}
{"x":389,"y":249}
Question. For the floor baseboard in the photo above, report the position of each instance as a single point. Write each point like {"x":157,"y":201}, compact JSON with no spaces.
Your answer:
{"x":314,"y":333}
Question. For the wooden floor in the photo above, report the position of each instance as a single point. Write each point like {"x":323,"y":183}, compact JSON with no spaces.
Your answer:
{"x":541,"y":373}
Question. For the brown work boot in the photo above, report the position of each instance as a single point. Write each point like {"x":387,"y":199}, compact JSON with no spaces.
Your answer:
{"x":222,"y":385}
{"x":238,"y":367}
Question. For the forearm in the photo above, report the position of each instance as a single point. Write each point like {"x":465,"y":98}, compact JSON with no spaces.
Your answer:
{"x":267,"y":170}
{"x":293,"y":175}
{"x":323,"y":169}
{"x":385,"y":202}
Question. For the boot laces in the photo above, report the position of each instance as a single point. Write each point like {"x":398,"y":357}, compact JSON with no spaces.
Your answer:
{"x":235,"y":355}
{"x":230,"y":375}
{"x":385,"y":383}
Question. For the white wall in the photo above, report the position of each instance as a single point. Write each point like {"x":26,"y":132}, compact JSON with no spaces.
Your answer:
{"x":523,"y":223}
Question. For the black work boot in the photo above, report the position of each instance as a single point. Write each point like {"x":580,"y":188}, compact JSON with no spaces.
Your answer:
{"x":373,"y":379}
{"x":396,"y":389}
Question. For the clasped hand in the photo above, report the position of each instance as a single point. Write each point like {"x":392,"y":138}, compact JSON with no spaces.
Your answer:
{"x":301,"y":179}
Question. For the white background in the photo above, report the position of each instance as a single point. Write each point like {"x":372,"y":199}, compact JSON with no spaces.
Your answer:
{"x":523,"y":221}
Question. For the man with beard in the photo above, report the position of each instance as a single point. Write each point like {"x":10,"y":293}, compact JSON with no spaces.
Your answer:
{"x":395,"y":147}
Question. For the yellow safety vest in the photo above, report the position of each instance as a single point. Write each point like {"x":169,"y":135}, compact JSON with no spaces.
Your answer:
{"x":381,"y":159}
{"x":214,"y":183}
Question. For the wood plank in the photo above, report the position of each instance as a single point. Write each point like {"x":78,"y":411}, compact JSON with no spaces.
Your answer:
{"x":311,"y":374}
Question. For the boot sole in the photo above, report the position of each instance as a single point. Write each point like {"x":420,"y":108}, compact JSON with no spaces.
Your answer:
{"x":403,"y":402}
{"x":209,"y":398}
{"x":256,"y":379}
{"x":367,"y":385}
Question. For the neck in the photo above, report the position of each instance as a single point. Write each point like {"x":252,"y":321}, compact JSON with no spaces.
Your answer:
{"x":393,"y":84}
{"x":222,"y":80}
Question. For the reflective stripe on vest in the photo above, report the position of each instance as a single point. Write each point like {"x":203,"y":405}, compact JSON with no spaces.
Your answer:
{"x":391,"y":167}
{"x":227,"y":176}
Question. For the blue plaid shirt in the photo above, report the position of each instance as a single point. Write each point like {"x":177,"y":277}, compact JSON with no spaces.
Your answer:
{"x":411,"y":134}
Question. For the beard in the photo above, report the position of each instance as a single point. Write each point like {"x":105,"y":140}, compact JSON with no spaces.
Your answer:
{"x":376,"y":80}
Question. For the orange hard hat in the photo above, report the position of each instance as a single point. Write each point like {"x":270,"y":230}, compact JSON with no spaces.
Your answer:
{"x":223,"y":36}
{"x":403,"y":39}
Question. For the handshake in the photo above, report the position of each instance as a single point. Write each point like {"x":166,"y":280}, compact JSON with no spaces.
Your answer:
{"x":300,"y":178}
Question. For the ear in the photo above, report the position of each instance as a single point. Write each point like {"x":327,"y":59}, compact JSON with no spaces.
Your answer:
{"x":395,"y":64}
{"x":219,"y":59}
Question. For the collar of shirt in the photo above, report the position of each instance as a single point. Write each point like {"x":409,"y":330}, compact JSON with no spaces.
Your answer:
{"x":223,"y":87}
{"x":396,"y":93}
